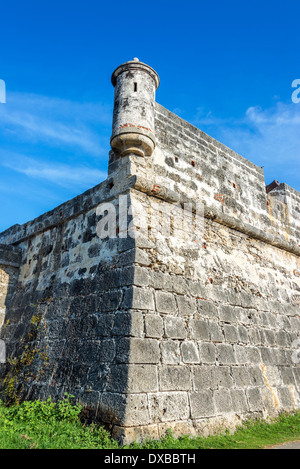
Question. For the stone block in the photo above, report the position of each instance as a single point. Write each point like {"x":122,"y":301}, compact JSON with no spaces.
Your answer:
{"x":243,"y":334}
{"x":254,"y":336}
{"x":231,"y":333}
{"x":154,"y":326}
{"x":190,"y":353}
{"x":160,"y":280}
{"x":169,"y":406}
{"x":179,"y":285}
{"x":255,"y":399}
{"x":287,"y":375}
{"x":222,"y":400}
{"x":134,"y":275}
{"x":207,"y":353}
{"x":207,"y":308}
{"x":225,"y":354}
{"x":271,"y":375}
{"x":269,"y":338}
{"x":186,"y":306}
{"x":136,"y":255}
{"x":170,"y":350}
{"x":199,"y":329}
{"x":256,"y":376}
{"x":107,"y":350}
{"x":241,"y":376}
{"x":129,"y":323}
{"x":110,"y":301}
{"x":112,"y":408}
{"x":138,"y":298}
{"x":202,"y":404}
{"x":239,"y":401}
{"x":132,"y":379}
{"x":253,"y":355}
{"x":285,"y":398}
{"x":227,"y":314}
{"x":283,"y":339}
{"x":175,"y":378}
{"x":137,"y":410}
{"x":165,"y":302}
{"x":203,"y":377}
{"x":175,"y":327}
{"x":268,"y":355}
{"x":222,"y":377}
{"x":197,"y":289}
{"x":241,"y":354}
{"x":135,"y":350}
{"x":215,"y":332}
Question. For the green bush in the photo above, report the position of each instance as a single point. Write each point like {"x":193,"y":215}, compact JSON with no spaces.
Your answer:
{"x":50,"y":425}
{"x":34,"y":412}
{"x":46,"y":424}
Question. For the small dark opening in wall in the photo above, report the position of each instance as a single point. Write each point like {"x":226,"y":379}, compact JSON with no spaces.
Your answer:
{"x":110,"y":185}
{"x":135,"y":86}
{"x":176,"y":159}
{"x":193,"y":163}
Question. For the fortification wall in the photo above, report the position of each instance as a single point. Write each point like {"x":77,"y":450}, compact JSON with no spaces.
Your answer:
{"x":190,"y":324}
{"x":10,"y":258}
{"x":203,"y":169}
{"x":223,"y":319}
{"x":71,"y":308}
{"x":284,"y":211}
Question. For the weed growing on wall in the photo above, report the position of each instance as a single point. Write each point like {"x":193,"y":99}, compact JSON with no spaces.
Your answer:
{"x":30,"y":365}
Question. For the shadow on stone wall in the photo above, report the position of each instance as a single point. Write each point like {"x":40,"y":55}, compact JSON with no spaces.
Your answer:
{"x":69,"y":337}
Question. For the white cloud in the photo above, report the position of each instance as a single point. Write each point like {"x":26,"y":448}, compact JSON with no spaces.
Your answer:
{"x":54,"y":121}
{"x":60,"y":174}
{"x":267,"y":137}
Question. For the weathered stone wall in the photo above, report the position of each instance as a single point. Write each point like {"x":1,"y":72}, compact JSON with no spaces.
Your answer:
{"x":191,"y":324}
{"x":9,"y":271}
{"x":284,"y":211}
{"x":196,"y":165}
{"x":77,"y":288}
{"x":219,"y":330}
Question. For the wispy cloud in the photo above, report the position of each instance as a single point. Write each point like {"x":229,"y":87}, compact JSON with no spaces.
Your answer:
{"x":54,"y":121}
{"x":51,"y":150}
{"x":268,"y":137}
{"x":59,"y":174}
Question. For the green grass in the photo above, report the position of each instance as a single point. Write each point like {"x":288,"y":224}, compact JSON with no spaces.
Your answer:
{"x":252,"y":435}
{"x":46,"y":425}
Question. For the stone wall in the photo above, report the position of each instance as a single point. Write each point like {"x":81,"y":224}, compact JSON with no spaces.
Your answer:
{"x":77,"y":288}
{"x":9,"y":272}
{"x":191,"y":323}
{"x":284,"y":211}
{"x":219,"y":331}
{"x":201,"y":168}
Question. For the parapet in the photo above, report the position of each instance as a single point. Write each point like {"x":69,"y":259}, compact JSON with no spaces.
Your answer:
{"x":187,"y":329}
{"x":181,"y":160}
{"x":10,"y":256}
{"x":193,"y":164}
{"x":10,"y":261}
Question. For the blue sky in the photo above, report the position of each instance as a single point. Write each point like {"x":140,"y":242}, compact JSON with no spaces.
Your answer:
{"x":226,"y":67}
